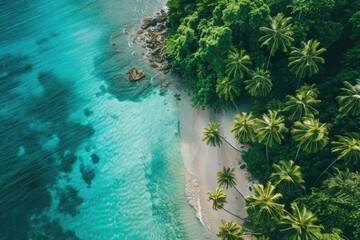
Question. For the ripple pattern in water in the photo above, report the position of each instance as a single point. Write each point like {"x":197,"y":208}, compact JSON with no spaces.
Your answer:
{"x":84,"y":153}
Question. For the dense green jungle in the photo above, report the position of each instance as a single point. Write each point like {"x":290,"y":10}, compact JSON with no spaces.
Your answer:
{"x":298,"y":64}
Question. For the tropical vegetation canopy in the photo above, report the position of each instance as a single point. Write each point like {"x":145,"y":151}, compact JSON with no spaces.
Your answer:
{"x":296,"y":62}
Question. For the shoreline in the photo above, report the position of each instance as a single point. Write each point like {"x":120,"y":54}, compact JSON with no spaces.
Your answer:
{"x":202,"y":163}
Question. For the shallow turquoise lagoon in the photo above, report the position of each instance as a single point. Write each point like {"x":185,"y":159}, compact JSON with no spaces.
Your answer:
{"x":85,"y":154}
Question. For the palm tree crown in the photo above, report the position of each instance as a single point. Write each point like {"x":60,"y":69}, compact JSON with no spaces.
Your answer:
{"x":287,"y":177}
{"x":226,"y":177}
{"x":350,"y":101}
{"x":302,"y":104}
{"x":228,"y":89}
{"x":303,"y":61}
{"x":278,"y":35}
{"x":264,"y":204}
{"x":310,"y":134}
{"x":270,"y":128}
{"x":212,"y":135}
{"x":348,"y":146}
{"x":338,"y":181}
{"x":218,"y":198}
{"x":260,"y":83}
{"x":243,"y":127}
{"x":300,"y":225}
{"x":237,"y":64}
{"x":230,"y":231}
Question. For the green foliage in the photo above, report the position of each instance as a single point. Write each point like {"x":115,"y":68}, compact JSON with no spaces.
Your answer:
{"x":270,"y":128}
{"x":279,"y":35}
{"x":180,"y":44}
{"x":349,"y":147}
{"x":264,"y":208}
{"x":287,"y":178}
{"x":312,"y":8}
{"x":207,"y":43}
{"x":350,"y":100}
{"x":256,"y":163}
{"x":228,"y":89}
{"x":212,"y":135}
{"x":247,"y":14}
{"x":243,"y":127}
{"x":310,"y":135}
{"x":300,"y":224}
{"x":237,"y":64}
{"x":303,"y":61}
{"x":335,"y":235}
{"x":327,"y":32}
{"x":260,"y":83}
{"x":226,"y":177}
{"x":302,"y":104}
{"x":230,"y":231}
{"x":338,"y":205}
{"x":218,"y":198}
{"x":214,"y":44}
{"x":355,"y":21}
{"x":264,"y":205}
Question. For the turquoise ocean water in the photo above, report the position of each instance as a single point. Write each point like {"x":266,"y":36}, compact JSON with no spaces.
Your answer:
{"x":84,"y":153}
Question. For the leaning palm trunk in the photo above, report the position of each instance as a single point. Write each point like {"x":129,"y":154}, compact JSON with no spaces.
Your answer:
{"x":297,"y":154}
{"x":268,"y":62}
{"x":300,"y":15}
{"x":298,"y":83}
{"x":232,"y":145}
{"x":233,"y":214}
{"x":236,"y":108}
{"x":325,"y":171}
{"x":240,"y":193}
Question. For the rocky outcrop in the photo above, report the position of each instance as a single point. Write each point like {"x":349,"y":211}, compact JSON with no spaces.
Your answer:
{"x":153,"y":31}
{"x":136,"y":74}
{"x":165,"y":66}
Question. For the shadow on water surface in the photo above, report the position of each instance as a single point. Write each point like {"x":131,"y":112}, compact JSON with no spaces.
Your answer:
{"x":28,"y":166}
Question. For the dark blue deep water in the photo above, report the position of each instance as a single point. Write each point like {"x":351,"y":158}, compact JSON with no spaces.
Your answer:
{"x":84,"y":153}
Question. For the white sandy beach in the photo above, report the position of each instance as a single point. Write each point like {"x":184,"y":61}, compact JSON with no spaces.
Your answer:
{"x":203,"y":162}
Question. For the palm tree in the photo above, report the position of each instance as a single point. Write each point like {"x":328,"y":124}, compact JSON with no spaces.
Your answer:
{"x":237,"y":64}
{"x":228,"y":89}
{"x":287,"y":177}
{"x":278,"y":35}
{"x":260,"y":83}
{"x":302,"y":103}
{"x":226,"y":178}
{"x":303,"y":61}
{"x":219,"y":199}
{"x":310,"y":135}
{"x":230,"y":231}
{"x":350,"y":101}
{"x":270,"y":129}
{"x":243,"y":127}
{"x":260,"y":238}
{"x":349,"y":148}
{"x":213,"y":136}
{"x":264,"y":205}
{"x":310,"y":90}
{"x":338,"y":181}
{"x":300,"y":224}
